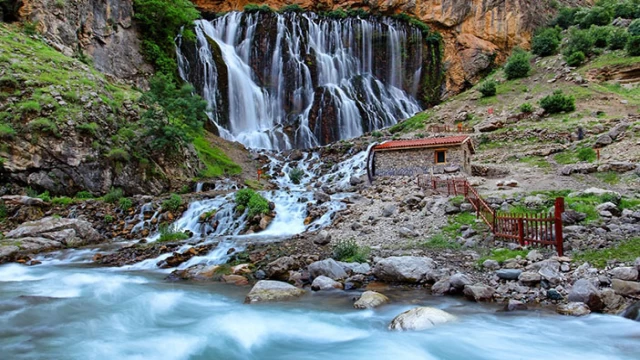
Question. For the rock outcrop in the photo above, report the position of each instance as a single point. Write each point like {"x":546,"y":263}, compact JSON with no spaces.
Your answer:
{"x":420,"y":318}
{"x":269,"y":290}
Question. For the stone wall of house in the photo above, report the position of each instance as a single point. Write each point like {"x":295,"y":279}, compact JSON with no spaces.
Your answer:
{"x":420,"y":161}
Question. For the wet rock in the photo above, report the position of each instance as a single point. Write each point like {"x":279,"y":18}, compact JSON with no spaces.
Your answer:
{"x":279,"y":268}
{"x":420,"y":318}
{"x":459,"y":281}
{"x":627,"y":273}
{"x":509,"y":274}
{"x":296,"y":155}
{"x":625,"y":288}
{"x":325,"y":283}
{"x":613,"y":302}
{"x":370,"y":300}
{"x":355,"y":180}
{"x":197,"y":273}
{"x":409,"y":269}
{"x":355,"y":268}
{"x":479,"y":292}
{"x":269,"y":290}
{"x":81,"y":230}
{"x":583,"y":291}
{"x":515,"y":305}
{"x":441,"y":287}
{"x":329,"y":268}
{"x":491,"y":264}
{"x":553,"y":294}
{"x":321,"y":197}
{"x":573,"y":309}
{"x":238,"y":280}
{"x":632,"y":312}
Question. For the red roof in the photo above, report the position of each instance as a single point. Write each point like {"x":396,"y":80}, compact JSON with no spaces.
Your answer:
{"x":425,"y":143}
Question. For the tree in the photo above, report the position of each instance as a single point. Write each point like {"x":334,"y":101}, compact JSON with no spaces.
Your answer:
{"x":518,"y":65}
{"x":558,"y":102}
{"x":546,"y":42}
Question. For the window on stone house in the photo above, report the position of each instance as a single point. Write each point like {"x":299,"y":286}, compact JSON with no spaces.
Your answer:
{"x":440,"y":156}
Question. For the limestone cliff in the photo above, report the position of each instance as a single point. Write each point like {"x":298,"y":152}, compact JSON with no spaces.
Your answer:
{"x":103,"y":29}
{"x":477,"y":33}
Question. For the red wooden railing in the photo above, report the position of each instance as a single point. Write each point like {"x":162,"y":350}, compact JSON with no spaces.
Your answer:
{"x":543,"y":230}
{"x":449,"y":129}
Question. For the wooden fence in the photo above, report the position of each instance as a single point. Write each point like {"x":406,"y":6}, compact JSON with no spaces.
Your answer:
{"x":542,"y":230}
{"x":449,"y":129}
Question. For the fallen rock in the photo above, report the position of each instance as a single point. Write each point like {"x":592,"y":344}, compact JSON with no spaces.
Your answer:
{"x":632,"y":312}
{"x":356,"y":268}
{"x":529,"y":278}
{"x":270,"y":290}
{"x":370,"y":300}
{"x":459,"y":281}
{"x":325,"y":283}
{"x":624,"y":273}
{"x":79,"y":232}
{"x":409,"y":269}
{"x":329,"y":268}
{"x":625,"y":288}
{"x":479,"y":292}
{"x":515,"y":305}
{"x":238,"y":280}
{"x":322,"y":238}
{"x":279,"y":268}
{"x":509,"y":274}
{"x":441,"y":287}
{"x":583,"y":291}
{"x":491,"y":264}
{"x":420,"y":318}
{"x":573,"y":309}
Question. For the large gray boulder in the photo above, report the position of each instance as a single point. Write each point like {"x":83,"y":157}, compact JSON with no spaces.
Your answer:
{"x":626,"y":273}
{"x":270,"y":290}
{"x":585,"y":292}
{"x":329,"y":268}
{"x":420,"y":318}
{"x":625,"y":288}
{"x":459,"y":281}
{"x":370,"y":300}
{"x":279,"y":268}
{"x":479,"y":292}
{"x":408,"y":269}
{"x":509,"y":274}
{"x":325,"y":283}
{"x":355,"y":268}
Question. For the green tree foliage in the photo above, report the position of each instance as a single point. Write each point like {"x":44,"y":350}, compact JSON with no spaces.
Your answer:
{"x":597,"y":15}
{"x":160,"y":22}
{"x":579,"y":41}
{"x":517,"y":65}
{"x":600,"y":35}
{"x":633,"y":46}
{"x":487,"y":88}
{"x":256,"y":203}
{"x":634,"y":28}
{"x":526,"y":108}
{"x":173,"y":203}
{"x":546,"y":42}
{"x":576,"y":59}
{"x":558,"y":102}
{"x":565,"y":18}
{"x":618,"y":39}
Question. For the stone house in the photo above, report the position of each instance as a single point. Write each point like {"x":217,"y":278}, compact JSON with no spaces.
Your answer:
{"x":421,"y":156}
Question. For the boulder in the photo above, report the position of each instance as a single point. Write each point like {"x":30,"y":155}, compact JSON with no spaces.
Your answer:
{"x":479,"y":292}
{"x":459,"y":281}
{"x":491,"y":264}
{"x":199,"y":272}
{"x":279,"y":268}
{"x":325,"y":283}
{"x":625,"y":288}
{"x":356,"y":268}
{"x":370,"y":300}
{"x":613,"y":302}
{"x":632,"y":312}
{"x":572,"y":217}
{"x":627,"y":273}
{"x":534,"y":255}
{"x":573,"y":309}
{"x":441,"y":287}
{"x":296,"y":155}
{"x":22,"y":200}
{"x":322,"y":238}
{"x":408,"y":269}
{"x":329,"y":268}
{"x":238,"y":280}
{"x":585,"y":292}
{"x":270,"y":290}
{"x":515,"y":305}
{"x":78,"y":231}
{"x":321,"y":197}
{"x":420,"y":318}
{"x":610,"y":207}
{"x":529,"y":278}
{"x":509,"y":274}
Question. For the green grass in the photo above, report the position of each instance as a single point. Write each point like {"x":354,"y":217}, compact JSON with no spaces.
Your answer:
{"x":216,"y":162}
{"x":631,"y":204}
{"x":173,"y":203}
{"x":62,"y":201}
{"x":452,"y":229}
{"x":350,"y":251}
{"x":440,"y":242}
{"x":536,"y":161}
{"x":170,"y":233}
{"x":416,"y":122}
{"x":6,"y":132}
{"x":502,"y":255}
{"x":626,"y":251}
{"x":609,"y":177}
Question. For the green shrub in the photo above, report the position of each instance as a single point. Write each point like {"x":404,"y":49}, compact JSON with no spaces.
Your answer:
{"x":108,"y":219}
{"x":173,"y":203}
{"x":617,"y":39}
{"x":170,"y":233}
{"x":634,"y":28}
{"x":291,"y":8}
{"x":118,"y":154}
{"x":565,"y":18}
{"x":125,"y":204}
{"x":545,"y":42}
{"x":254,"y":8}
{"x":63,"y":201}
{"x":633,"y":46}
{"x":84,"y":195}
{"x":337,"y":14}
{"x":600,"y":35}
{"x":243,"y":196}
{"x":517,"y":65}
{"x":88,"y":129}
{"x":376,"y":134}
{"x":526,"y":108}
{"x":296,"y":175}
{"x":576,"y":58}
{"x":586,"y":154}
{"x":597,"y":15}
{"x":487,"y":88}
{"x":258,"y":205}
{"x":45,"y":196}
{"x":30,"y":106}
{"x":626,"y":9}
{"x":350,"y":251}
{"x":579,"y":40}
{"x":440,"y":242}
{"x":6,"y":132}
{"x":558,"y":102}
{"x":3,"y":211}
{"x":43,"y":125}
{"x":30,"y":28}
{"x":113,"y":196}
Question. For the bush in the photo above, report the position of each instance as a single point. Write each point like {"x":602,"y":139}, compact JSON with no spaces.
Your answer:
{"x":63,"y":201}
{"x":113,"y":196}
{"x":617,"y":39}
{"x":125,"y":204}
{"x":84,"y":195}
{"x":545,"y":42}
{"x":44,"y":126}
{"x":565,"y":18}
{"x":291,"y":8}
{"x":600,"y":35}
{"x":45,"y":196}
{"x":243,"y":196}
{"x":634,"y":28}
{"x":173,"y":203}
{"x":376,"y":134}
{"x":258,"y":205}
{"x":633,"y":46}
{"x":118,"y":155}
{"x":254,"y":8}
{"x":6,"y":132}
{"x":576,"y":58}
{"x":487,"y":88}
{"x":586,"y":154}
{"x":170,"y":233}
{"x":108,"y":219}
{"x":518,"y":65}
{"x":350,"y":251}
{"x":596,"y":15}
{"x":296,"y":175}
{"x":88,"y":129}
{"x":558,"y":102}
{"x":526,"y":108}
{"x":579,"y":40}
{"x":626,"y":10}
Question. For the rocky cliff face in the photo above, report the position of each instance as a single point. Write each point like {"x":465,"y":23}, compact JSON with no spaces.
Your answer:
{"x":102,"y":29}
{"x":477,"y":33}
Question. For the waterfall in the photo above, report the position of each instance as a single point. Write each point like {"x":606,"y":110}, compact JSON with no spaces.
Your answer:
{"x":299,"y":80}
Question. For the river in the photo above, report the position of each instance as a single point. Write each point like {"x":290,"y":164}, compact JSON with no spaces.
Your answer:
{"x":69,"y":309}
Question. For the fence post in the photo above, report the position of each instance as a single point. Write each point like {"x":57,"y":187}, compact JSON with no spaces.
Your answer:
{"x":521,"y":231}
{"x":558,"y":223}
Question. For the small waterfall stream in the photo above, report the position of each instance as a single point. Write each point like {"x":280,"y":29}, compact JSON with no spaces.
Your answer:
{"x":281,"y":81}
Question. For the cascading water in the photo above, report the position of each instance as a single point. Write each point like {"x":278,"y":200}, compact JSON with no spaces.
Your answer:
{"x":288,"y":80}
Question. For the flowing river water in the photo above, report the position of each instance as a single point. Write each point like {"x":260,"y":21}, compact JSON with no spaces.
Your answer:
{"x":68,"y":309}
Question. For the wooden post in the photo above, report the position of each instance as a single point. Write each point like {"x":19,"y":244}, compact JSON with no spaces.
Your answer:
{"x":259,"y":173}
{"x":598,"y":154}
{"x":559,"y":207}
{"x":521,"y":231}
